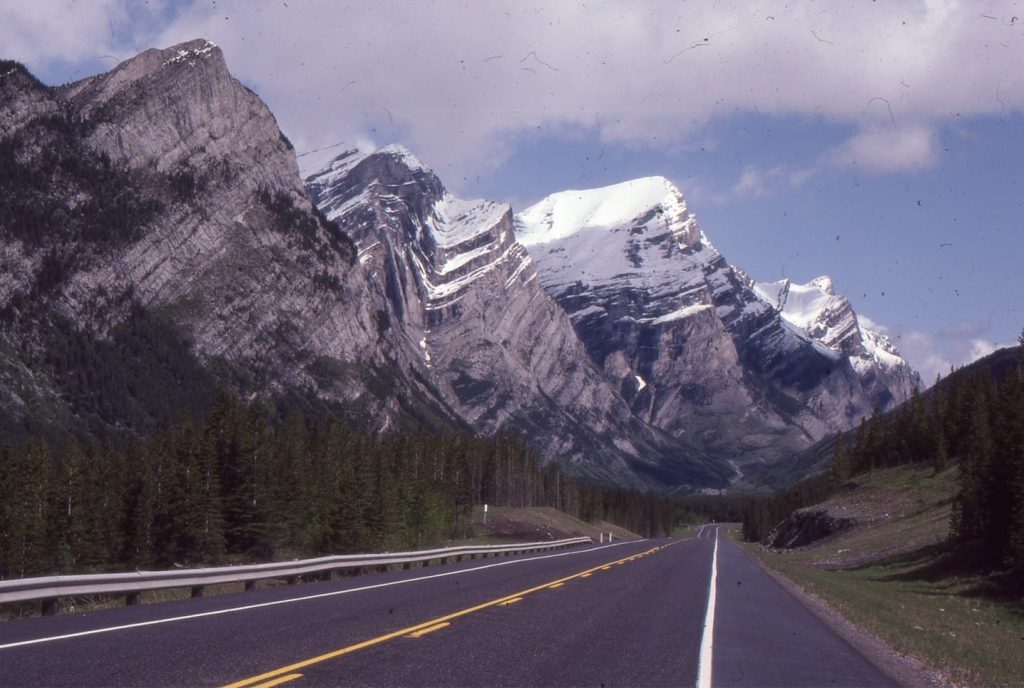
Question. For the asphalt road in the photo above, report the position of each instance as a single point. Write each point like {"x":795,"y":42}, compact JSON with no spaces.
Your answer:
{"x":630,"y":614}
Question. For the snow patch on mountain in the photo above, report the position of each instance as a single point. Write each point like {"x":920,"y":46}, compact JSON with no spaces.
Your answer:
{"x":328,"y":172}
{"x":184,"y":54}
{"x":456,"y":221}
{"x":682,"y":313}
{"x":800,"y":304}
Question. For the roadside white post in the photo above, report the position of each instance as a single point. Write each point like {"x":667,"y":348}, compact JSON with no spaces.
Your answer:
{"x":485,"y":514}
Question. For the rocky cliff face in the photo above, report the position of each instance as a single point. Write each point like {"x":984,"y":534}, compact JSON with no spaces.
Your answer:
{"x":465,"y":294}
{"x":695,"y":346}
{"x":183,"y":198}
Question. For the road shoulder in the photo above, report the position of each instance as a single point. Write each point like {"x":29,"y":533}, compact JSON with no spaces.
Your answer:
{"x":905,"y":670}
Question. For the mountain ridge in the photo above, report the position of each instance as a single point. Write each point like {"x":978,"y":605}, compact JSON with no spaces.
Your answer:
{"x":182,"y":211}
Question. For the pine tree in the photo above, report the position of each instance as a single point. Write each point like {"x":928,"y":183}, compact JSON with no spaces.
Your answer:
{"x":941,"y":456}
{"x":841,"y":461}
{"x":971,"y":516}
{"x":1020,"y":361}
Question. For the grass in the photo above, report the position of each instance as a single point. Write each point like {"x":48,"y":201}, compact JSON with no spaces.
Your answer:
{"x":898,"y":578}
{"x":509,"y":524}
{"x":682,"y":532}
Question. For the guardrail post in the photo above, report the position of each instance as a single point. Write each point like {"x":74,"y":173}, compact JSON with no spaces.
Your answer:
{"x":197,"y":591}
{"x":132,"y":599}
{"x":50,"y":607}
{"x":250,"y":585}
{"x":292,"y":580}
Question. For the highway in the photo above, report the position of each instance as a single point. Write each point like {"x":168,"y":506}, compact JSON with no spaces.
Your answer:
{"x":627,"y":614}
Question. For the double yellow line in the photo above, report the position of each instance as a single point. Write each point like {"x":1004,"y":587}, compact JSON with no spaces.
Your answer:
{"x":288,"y":673}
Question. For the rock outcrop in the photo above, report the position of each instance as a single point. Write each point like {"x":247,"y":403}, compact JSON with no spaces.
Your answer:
{"x":807,"y":526}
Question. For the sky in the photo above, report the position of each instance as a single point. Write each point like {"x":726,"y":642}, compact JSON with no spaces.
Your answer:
{"x":881,"y":143}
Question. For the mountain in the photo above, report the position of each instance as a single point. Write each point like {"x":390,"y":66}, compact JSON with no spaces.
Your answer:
{"x":157,"y":244}
{"x":158,"y":247}
{"x":752,"y":371}
{"x":502,"y":353}
{"x":816,"y":311}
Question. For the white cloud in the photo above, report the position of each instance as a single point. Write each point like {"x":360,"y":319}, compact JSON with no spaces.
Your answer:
{"x":870,"y":324}
{"x":934,"y":354}
{"x":922,"y":352}
{"x":40,"y":32}
{"x":752,"y":183}
{"x":887,"y":150}
{"x":980,"y":348}
{"x":757,"y":182}
{"x":460,"y":81}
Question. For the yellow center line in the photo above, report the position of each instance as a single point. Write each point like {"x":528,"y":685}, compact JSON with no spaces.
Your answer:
{"x":512,"y":601}
{"x":252,"y":681}
{"x":556,"y":585}
{"x":278,"y":681}
{"x":586,"y":575}
{"x":429,"y":629}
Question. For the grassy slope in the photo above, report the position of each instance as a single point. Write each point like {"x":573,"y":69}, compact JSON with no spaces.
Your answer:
{"x":895,"y":577}
{"x":507,"y":524}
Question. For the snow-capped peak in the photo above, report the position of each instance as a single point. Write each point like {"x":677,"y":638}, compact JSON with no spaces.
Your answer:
{"x":815,"y":310}
{"x":397,"y":150}
{"x":566,"y":213}
{"x":637,"y":235}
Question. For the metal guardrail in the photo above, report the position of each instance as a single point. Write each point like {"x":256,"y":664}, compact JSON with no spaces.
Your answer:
{"x":49,"y":589}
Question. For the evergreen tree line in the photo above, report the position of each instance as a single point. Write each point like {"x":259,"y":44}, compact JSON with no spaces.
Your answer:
{"x":240,"y":488}
{"x":975,"y":419}
{"x":761,"y":513}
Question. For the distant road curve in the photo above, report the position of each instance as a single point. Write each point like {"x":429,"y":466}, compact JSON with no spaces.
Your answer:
{"x":629,"y":614}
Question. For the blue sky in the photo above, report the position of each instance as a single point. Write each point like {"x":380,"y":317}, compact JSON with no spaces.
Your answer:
{"x":879,"y":143}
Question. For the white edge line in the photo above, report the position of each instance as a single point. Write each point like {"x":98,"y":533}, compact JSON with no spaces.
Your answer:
{"x":708,"y":640}
{"x":218,"y":612}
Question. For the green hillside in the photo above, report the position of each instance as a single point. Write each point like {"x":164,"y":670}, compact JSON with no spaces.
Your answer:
{"x":895,"y":573}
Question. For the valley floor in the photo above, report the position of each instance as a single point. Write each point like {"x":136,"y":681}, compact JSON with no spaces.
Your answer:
{"x":895,"y":577}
